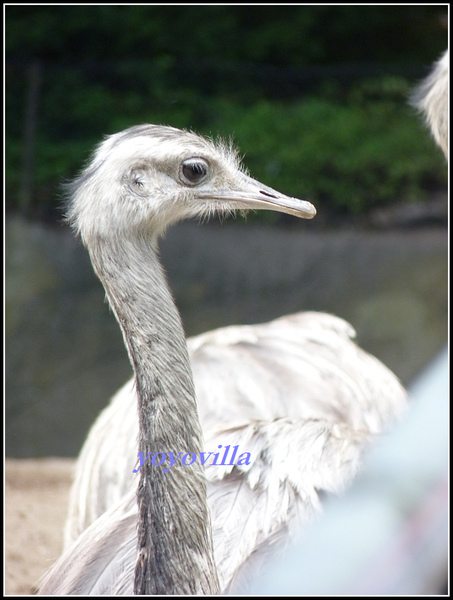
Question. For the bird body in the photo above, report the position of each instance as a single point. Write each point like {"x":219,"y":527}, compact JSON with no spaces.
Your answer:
{"x":304,"y":366}
{"x":303,"y":414}
{"x":254,"y":508}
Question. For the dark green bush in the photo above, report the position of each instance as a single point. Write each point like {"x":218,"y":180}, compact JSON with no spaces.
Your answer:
{"x":348,"y":151}
{"x":343,"y":157}
{"x":305,"y":90}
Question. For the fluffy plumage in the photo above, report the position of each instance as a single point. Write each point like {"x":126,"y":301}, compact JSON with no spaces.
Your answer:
{"x":302,"y":366}
{"x":431,"y":98}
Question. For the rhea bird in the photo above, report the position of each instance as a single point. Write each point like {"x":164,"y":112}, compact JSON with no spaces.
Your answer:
{"x":157,"y":536}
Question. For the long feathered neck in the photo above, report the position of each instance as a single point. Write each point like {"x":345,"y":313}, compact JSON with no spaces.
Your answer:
{"x":175,"y":554}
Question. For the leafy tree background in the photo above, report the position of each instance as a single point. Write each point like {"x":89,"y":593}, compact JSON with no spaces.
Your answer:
{"x":316,"y":97}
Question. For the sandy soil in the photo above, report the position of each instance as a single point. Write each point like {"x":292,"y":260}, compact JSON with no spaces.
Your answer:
{"x":36,"y":499}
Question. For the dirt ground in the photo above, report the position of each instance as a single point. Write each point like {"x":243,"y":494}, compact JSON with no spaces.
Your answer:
{"x":36,"y":500}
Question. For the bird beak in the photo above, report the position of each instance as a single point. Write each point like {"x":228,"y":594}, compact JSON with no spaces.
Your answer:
{"x":253,"y":195}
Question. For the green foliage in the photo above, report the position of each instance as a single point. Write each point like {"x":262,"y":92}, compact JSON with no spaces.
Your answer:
{"x":366,"y":150}
{"x":343,"y":157}
{"x":270,"y":76}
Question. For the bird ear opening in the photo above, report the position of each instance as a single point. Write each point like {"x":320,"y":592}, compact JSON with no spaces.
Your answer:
{"x":137,"y":181}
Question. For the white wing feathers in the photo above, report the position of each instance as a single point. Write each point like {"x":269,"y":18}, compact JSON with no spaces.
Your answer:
{"x":292,"y":464}
{"x":297,"y":394}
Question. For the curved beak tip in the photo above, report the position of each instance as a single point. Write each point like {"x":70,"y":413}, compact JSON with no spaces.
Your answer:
{"x":311,"y":212}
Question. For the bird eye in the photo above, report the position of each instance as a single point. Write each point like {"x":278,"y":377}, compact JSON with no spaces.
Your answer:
{"x":194,"y":170}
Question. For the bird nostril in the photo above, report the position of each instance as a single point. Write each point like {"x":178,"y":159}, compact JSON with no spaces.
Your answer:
{"x":268,"y":195}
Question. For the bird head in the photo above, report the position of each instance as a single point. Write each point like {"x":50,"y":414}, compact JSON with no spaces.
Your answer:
{"x":149,"y":177}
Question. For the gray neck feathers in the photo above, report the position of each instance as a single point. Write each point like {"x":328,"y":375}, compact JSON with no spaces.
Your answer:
{"x":175,"y":553}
